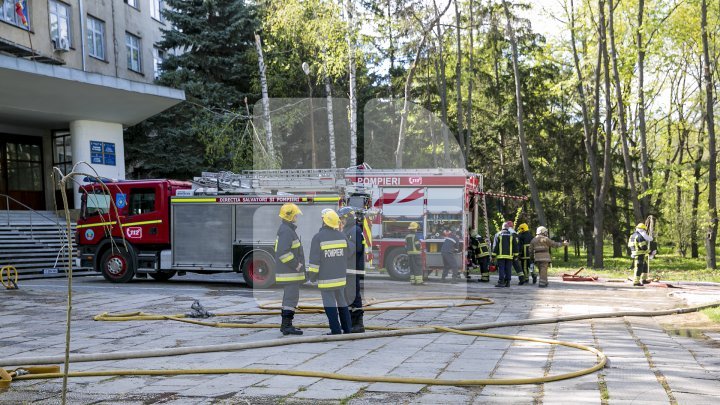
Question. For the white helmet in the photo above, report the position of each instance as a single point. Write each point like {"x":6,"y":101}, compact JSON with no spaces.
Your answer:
{"x":541,"y":230}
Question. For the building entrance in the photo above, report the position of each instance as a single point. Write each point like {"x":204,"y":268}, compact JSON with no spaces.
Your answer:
{"x":21,"y":171}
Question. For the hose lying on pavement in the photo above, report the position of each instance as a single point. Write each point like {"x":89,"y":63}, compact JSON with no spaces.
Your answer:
{"x":461,"y":329}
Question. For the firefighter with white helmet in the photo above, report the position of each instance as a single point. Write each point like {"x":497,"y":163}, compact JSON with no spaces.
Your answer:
{"x":290,"y":263}
{"x":639,"y":248}
{"x":355,"y":266}
{"x":413,"y":248}
{"x":540,"y":250}
{"x":328,"y":262}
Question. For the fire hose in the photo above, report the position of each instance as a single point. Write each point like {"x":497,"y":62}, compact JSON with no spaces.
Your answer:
{"x":51,"y":372}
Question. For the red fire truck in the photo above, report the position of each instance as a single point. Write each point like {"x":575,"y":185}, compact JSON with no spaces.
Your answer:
{"x":225,"y":222}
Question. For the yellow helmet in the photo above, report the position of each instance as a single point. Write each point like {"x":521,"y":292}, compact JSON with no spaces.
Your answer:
{"x":413,"y":226}
{"x":331,"y":219}
{"x":641,"y":226}
{"x":523,"y":228}
{"x":289,"y":211}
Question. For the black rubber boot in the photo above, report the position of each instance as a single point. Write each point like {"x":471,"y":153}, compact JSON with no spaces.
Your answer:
{"x":534,"y":277}
{"x":286,"y":327}
{"x":357,"y":321}
{"x":522,"y":280}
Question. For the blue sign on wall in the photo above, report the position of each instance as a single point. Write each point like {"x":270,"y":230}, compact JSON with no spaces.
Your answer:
{"x":102,"y":153}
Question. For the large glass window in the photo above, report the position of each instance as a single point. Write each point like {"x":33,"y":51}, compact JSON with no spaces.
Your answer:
{"x":156,"y":7}
{"x":133,"y":3}
{"x":24,"y":166}
{"x":158,"y":57}
{"x":133,"y":47}
{"x":9,"y":13}
{"x":60,"y":22}
{"x":95,"y":204}
{"x":96,"y":37}
{"x":142,"y":201}
{"x":62,"y":159}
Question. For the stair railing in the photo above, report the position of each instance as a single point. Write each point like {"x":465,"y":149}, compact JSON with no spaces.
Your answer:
{"x":62,"y":231}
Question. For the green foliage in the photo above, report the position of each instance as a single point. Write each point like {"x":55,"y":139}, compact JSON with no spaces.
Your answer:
{"x":713,"y":314}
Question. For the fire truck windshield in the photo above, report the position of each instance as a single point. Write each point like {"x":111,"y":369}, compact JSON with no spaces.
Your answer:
{"x":95,"y":204}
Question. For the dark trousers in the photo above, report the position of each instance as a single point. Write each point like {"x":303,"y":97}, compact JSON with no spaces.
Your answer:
{"x":449,"y":264}
{"x":640,"y":265}
{"x":336,"y":310}
{"x":291,"y":296}
{"x":416,"y":270}
{"x":505,"y":267}
{"x":484,"y":262}
{"x":353,"y":292}
{"x":525,"y":267}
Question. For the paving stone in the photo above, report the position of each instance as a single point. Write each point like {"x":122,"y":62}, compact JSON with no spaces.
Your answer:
{"x":391,"y":387}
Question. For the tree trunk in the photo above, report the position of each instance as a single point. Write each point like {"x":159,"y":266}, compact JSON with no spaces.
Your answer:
{"x":351,"y":72}
{"x":265,"y":101}
{"x":331,"y":123}
{"x":637,"y":212}
{"x":458,"y":81}
{"x":442,"y":86}
{"x":471,"y":79}
{"x":711,"y":234}
{"x":598,"y":215}
{"x":391,"y":47}
{"x":697,"y":166}
{"x":642,"y":126}
{"x":520,"y":117}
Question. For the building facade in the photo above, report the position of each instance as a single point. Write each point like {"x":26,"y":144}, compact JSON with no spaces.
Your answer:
{"x":73,"y":75}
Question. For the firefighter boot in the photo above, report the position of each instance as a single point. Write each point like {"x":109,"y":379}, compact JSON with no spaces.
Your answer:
{"x":484,"y":277}
{"x":522,"y":280}
{"x":534,"y":277}
{"x":357,"y":321}
{"x":286,"y":327}
{"x":345,"y":319}
{"x":637,"y":282}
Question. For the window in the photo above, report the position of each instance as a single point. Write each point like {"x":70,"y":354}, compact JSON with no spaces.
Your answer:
{"x":96,"y":37}
{"x":8,"y":13}
{"x":156,"y":7}
{"x":96,"y":203}
{"x":60,"y":22}
{"x":142,"y":201}
{"x":158,"y":58}
{"x":132,"y":44}
{"x":133,"y":3}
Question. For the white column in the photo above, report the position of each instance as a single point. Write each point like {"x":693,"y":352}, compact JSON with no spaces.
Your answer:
{"x":83,"y":134}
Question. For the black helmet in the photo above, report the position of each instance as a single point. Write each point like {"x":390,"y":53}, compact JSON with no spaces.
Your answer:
{"x":347,"y":213}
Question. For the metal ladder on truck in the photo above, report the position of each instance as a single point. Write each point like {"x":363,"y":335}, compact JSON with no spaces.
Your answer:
{"x":273,"y":181}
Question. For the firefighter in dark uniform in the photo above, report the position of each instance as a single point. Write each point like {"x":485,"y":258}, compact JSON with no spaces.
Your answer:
{"x":289,"y":271}
{"x":505,"y":250}
{"x":639,"y":249}
{"x":448,"y":250}
{"x":524,"y":238}
{"x":482,"y":258}
{"x":355,"y":266}
{"x":413,"y":246}
{"x":328,"y":262}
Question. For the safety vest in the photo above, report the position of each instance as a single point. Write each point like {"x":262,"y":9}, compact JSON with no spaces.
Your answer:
{"x":288,"y":253}
{"x":505,"y":245}
{"x":637,"y":244}
{"x":412,"y":244}
{"x":328,"y":257}
{"x":355,"y":260}
{"x":482,"y":250}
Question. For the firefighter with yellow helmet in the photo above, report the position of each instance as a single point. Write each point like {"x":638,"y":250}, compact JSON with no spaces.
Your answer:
{"x":329,"y":253}
{"x":639,"y":244}
{"x":413,"y":248}
{"x":290,"y":263}
{"x":525,"y":237}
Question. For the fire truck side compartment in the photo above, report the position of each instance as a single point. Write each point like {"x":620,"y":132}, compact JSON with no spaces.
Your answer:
{"x":202,"y":236}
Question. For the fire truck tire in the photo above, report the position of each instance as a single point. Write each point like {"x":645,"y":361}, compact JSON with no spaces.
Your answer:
{"x":117,"y":265}
{"x":164,"y":276}
{"x":397,"y":264}
{"x":258,"y":269}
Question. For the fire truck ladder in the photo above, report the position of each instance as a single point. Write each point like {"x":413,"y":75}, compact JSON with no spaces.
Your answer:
{"x":296,"y":180}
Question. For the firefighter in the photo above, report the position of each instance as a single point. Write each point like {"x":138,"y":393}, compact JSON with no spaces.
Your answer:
{"x":448,"y":250}
{"x":289,"y":272}
{"x":638,"y":244}
{"x":524,"y":237}
{"x":412,"y":246}
{"x":482,"y":258}
{"x":540,"y":250}
{"x":328,"y":262}
{"x":505,"y":250}
{"x":355,"y":266}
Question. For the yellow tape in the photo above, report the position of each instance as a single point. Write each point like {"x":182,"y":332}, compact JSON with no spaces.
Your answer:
{"x":95,"y":224}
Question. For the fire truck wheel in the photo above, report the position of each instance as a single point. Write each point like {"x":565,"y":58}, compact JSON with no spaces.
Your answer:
{"x":258,"y":270}
{"x":117,"y":265}
{"x":397,"y":264}
{"x":164,"y":276}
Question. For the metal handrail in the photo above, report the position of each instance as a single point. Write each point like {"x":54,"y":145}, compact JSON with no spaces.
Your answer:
{"x":32,"y":236}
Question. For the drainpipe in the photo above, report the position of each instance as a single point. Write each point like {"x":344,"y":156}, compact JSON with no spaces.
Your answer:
{"x":81,"y":10}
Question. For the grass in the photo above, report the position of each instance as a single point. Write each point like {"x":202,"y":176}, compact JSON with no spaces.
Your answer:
{"x":667,"y":266}
{"x":713,"y":314}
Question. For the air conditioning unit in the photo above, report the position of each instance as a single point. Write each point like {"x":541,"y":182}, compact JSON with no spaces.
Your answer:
{"x":61,"y":44}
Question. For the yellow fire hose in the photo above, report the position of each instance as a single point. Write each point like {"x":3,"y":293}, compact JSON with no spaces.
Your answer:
{"x":48,"y":372}
{"x":10,"y":274}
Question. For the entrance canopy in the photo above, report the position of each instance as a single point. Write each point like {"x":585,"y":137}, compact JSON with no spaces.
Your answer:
{"x":48,"y":96}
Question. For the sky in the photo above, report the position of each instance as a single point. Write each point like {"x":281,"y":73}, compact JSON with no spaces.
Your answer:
{"x":541,"y":17}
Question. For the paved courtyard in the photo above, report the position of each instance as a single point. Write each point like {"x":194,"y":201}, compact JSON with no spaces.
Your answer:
{"x":651,"y":360}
